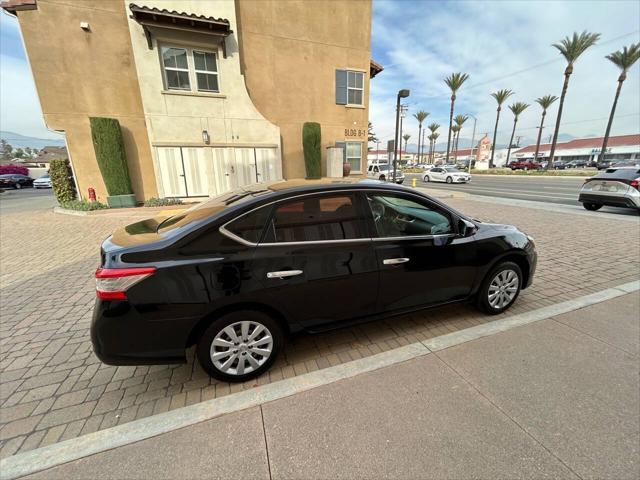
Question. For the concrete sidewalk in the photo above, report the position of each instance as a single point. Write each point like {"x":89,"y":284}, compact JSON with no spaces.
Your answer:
{"x":558,"y":398}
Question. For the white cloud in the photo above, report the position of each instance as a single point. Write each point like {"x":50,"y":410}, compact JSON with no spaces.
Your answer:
{"x":498,"y":43}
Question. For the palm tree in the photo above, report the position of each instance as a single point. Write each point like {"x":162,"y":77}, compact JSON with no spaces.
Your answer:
{"x":420,"y":116}
{"x":432,"y":127}
{"x":624,"y":60}
{"x":432,"y":143}
{"x":456,"y":131}
{"x":570,"y":49}
{"x":459,"y":119}
{"x":517,"y":108}
{"x":406,"y":137}
{"x":500,"y":96}
{"x":545,"y":102}
{"x":454,"y":82}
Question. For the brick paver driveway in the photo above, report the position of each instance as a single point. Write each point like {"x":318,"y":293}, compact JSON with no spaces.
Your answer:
{"x":53,"y":388}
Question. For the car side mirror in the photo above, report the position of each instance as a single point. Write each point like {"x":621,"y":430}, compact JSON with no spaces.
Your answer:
{"x":466,"y":228}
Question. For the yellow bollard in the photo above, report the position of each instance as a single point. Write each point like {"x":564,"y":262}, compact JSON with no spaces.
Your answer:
{"x":413,"y":182}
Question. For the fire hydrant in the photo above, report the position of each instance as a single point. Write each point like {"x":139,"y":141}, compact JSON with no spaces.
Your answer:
{"x":413,"y":182}
{"x":92,"y":194}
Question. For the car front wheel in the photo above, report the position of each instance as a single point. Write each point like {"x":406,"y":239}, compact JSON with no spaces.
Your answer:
{"x":427,"y":178}
{"x":240,"y":345}
{"x":592,"y":207}
{"x":17,"y":186}
{"x":500,"y":288}
{"x":449,"y":180}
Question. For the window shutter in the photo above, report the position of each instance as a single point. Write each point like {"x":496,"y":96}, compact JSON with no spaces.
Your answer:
{"x":341,"y":87}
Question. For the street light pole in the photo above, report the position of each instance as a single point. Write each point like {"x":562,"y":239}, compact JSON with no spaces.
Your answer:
{"x":473,"y":139}
{"x":401,"y":94}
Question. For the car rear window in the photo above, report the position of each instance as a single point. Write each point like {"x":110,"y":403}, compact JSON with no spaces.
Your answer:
{"x":621,"y":173}
{"x":316,"y":218}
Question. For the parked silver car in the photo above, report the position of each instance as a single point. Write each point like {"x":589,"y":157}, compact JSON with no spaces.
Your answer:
{"x":615,"y":187}
{"x":42,"y":182}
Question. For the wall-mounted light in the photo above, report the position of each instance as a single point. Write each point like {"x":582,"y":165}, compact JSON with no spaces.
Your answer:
{"x":205,"y":137}
{"x":85,"y":26}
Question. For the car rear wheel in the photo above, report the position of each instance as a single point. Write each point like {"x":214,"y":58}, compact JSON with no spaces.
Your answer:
{"x":592,"y":207}
{"x":500,"y":288}
{"x":240,"y":345}
{"x":382,"y":178}
{"x":449,"y":180}
{"x":17,"y":186}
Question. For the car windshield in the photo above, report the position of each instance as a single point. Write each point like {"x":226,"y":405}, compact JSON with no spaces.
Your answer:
{"x":45,"y":177}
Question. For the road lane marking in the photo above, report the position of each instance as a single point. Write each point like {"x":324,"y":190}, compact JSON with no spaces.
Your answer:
{"x":76,"y":448}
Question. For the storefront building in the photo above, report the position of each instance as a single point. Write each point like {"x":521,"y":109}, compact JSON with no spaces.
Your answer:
{"x":210,"y":94}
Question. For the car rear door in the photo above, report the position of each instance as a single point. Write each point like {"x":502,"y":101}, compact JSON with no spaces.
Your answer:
{"x":316,"y":259}
{"x":421,"y":258}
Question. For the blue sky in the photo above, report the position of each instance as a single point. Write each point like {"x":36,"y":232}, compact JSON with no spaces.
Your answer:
{"x":501,"y":44}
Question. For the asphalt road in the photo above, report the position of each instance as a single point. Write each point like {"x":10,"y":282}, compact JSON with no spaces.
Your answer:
{"x":26,"y":200}
{"x":538,"y":189}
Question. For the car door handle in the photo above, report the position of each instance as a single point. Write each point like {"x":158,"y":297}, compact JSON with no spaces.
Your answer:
{"x":284,"y":274}
{"x":395,"y":261}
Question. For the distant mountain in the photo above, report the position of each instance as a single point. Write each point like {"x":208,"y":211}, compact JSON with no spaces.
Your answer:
{"x":21,"y":141}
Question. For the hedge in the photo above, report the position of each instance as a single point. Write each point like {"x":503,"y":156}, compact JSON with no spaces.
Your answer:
{"x":60,"y":175}
{"x":311,"y":142}
{"x":110,"y":154}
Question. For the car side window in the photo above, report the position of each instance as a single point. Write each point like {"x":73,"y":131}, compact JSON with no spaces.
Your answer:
{"x":376,"y":169}
{"x":250,"y":226}
{"x":400,"y":216}
{"x":317,"y":218}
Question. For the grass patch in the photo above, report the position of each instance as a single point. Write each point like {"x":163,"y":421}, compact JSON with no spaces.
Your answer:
{"x":536,"y":173}
{"x":162,"y":202}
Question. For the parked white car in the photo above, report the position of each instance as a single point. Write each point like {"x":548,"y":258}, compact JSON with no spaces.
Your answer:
{"x":384,"y":173}
{"x":42,"y":182}
{"x":446,"y":174}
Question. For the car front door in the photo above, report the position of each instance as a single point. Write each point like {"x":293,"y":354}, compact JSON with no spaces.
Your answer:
{"x":436,"y":174}
{"x":316,"y":259}
{"x":422,"y":260}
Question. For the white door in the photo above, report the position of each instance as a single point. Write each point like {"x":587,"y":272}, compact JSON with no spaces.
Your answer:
{"x":267,"y":164}
{"x":245,"y":166}
{"x":195,"y":171}
{"x":224,"y":168}
{"x":171,"y":172}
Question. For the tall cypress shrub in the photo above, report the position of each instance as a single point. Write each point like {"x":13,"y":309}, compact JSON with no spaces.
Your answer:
{"x":60,"y":174}
{"x":311,"y":144}
{"x":110,"y":154}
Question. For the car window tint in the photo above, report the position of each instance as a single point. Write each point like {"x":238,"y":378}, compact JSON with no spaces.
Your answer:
{"x":250,"y":226}
{"x":317,"y":218}
{"x":398,"y":216}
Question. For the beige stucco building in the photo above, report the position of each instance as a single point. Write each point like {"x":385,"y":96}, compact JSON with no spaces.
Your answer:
{"x":210,"y":94}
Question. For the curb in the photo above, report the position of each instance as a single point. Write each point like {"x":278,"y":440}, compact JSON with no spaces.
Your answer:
{"x":76,"y":448}
{"x":138,"y":212}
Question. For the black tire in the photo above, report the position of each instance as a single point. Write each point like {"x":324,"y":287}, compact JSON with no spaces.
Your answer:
{"x":382,"y":178}
{"x":483,"y":294}
{"x":592,"y":207}
{"x":449,"y":180}
{"x":205,"y":343}
{"x":17,"y":186}
{"x":427,"y":178}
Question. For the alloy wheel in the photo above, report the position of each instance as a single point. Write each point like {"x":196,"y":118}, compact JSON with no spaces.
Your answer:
{"x":503,"y":289}
{"x":241,"y":348}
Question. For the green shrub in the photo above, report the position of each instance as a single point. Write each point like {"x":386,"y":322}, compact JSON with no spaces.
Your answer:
{"x":83,"y":205}
{"x":110,"y":154}
{"x":162,"y":202}
{"x":60,"y":174}
{"x":311,"y":143}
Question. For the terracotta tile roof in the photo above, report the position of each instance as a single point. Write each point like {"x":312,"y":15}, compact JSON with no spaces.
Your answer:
{"x":374,"y":68}
{"x":172,"y":13}
{"x":595,"y":142}
{"x":13,"y":6}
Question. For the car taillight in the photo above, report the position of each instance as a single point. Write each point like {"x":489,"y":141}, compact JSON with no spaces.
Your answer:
{"x":112,"y":283}
{"x":634,"y":183}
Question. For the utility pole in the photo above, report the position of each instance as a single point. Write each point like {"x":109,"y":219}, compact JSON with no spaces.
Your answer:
{"x":473,"y":139}
{"x":401,"y":94}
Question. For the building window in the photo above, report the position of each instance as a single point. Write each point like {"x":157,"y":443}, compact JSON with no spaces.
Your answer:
{"x":184,"y":68}
{"x":176,"y":69}
{"x":349,"y":87}
{"x":352,"y":154}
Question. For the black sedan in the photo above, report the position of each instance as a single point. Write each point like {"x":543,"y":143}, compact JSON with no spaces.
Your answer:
{"x":15,"y":180}
{"x":236,"y":274}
